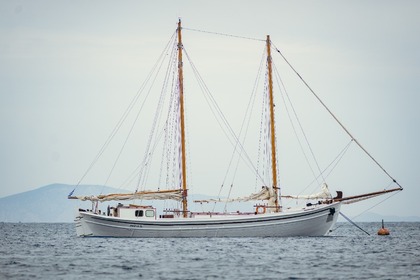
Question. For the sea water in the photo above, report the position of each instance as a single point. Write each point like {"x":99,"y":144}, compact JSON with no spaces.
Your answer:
{"x":52,"y":251}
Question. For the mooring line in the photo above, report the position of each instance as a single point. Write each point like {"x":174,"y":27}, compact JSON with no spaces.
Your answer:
{"x":351,"y":222}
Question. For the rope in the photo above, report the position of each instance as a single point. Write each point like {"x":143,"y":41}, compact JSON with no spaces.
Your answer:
{"x":124,"y":116}
{"x":158,"y":113}
{"x":135,"y":121}
{"x":280,"y":82}
{"x":247,"y":120}
{"x":353,"y":223}
{"x":333,"y":163}
{"x":227,"y":129}
{"x":223,"y":34}
{"x":382,"y":201}
{"x":337,"y":120}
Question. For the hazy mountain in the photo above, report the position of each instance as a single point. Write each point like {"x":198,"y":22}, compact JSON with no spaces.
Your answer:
{"x":50,"y":204}
{"x":47,"y":204}
{"x":374,"y":217}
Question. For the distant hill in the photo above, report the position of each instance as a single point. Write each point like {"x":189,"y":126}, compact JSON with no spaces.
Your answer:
{"x":374,"y":217}
{"x":49,"y":204}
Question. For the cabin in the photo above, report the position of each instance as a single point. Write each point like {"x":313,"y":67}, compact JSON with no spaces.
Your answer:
{"x":132,"y":211}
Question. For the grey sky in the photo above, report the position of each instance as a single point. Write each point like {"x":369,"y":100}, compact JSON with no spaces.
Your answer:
{"x":68,"y":69}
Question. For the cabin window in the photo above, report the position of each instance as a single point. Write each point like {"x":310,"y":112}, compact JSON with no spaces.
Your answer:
{"x":139,"y":213}
{"x":150,"y":213}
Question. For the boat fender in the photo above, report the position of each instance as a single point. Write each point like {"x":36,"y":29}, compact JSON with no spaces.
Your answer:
{"x":332,"y":211}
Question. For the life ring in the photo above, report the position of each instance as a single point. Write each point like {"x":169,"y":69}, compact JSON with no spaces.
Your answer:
{"x":260,"y":210}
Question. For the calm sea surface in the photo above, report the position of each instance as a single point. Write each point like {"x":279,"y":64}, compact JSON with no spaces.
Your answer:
{"x":52,"y":251}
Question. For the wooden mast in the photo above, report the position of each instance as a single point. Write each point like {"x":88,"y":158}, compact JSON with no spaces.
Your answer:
{"x":272,"y":125}
{"x":181,"y":109}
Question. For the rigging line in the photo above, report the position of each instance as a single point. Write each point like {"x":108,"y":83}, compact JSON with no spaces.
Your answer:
{"x":228,"y":197}
{"x":169,"y":73}
{"x":247,"y":118}
{"x":128,"y":180}
{"x":280,"y":81}
{"x":335,"y":161}
{"x":353,"y":223}
{"x":261,"y":142}
{"x":175,"y":138}
{"x":337,"y":120}
{"x":380,"y":202}
{"x":167,"y":143}
{"x":223,"y":34}
{"x":210,"y":100}
{"x":142,"y":165}
{"x":158,"y":112}
{"x":125,"y":114}
{"x":116,"y":128}
{"x":260,"y":145}
{"x":188,"y":143}
{"x":170,"y":125}
{"x":133,"y":124}
{"x":265,"y":131}
{"x":218,"y":196}
{"x":300,"y":124}
{"x":338,"y":158}
{"x":205,"y":90}
{"x":139,"y":169}
{"x":233,"y":139}
{"x":259,"y":75}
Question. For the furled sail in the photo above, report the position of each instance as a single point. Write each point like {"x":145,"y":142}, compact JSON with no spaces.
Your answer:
{"x":324,"y":194}
{"x":146,"y":195}
{"x":266,"y":193}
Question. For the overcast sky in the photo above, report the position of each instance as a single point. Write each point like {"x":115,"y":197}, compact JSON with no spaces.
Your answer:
{"x":68,"y":70}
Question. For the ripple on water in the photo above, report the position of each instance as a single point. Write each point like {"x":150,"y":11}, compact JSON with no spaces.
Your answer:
{"x":42,"y":251}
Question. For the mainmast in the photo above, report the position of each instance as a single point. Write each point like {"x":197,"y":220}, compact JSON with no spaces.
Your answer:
{"x":272,"y":125}
{"x":181,"y":110}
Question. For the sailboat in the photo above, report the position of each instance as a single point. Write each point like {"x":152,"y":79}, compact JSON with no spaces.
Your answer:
{"x":266,"y":218}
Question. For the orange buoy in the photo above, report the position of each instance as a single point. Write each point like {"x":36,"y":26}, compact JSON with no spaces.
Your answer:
{"x":383,"y":230}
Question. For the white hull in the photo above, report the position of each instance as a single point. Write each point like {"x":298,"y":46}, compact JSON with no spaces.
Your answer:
{"x":313,"y":221}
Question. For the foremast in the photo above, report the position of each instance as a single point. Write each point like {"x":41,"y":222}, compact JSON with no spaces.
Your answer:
{"x":181,"y":112}
{"x":272,"y":125}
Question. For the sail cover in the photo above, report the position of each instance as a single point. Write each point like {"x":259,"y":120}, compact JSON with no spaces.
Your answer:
{"x":324,"y":194}
{"x":146,"y":195}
